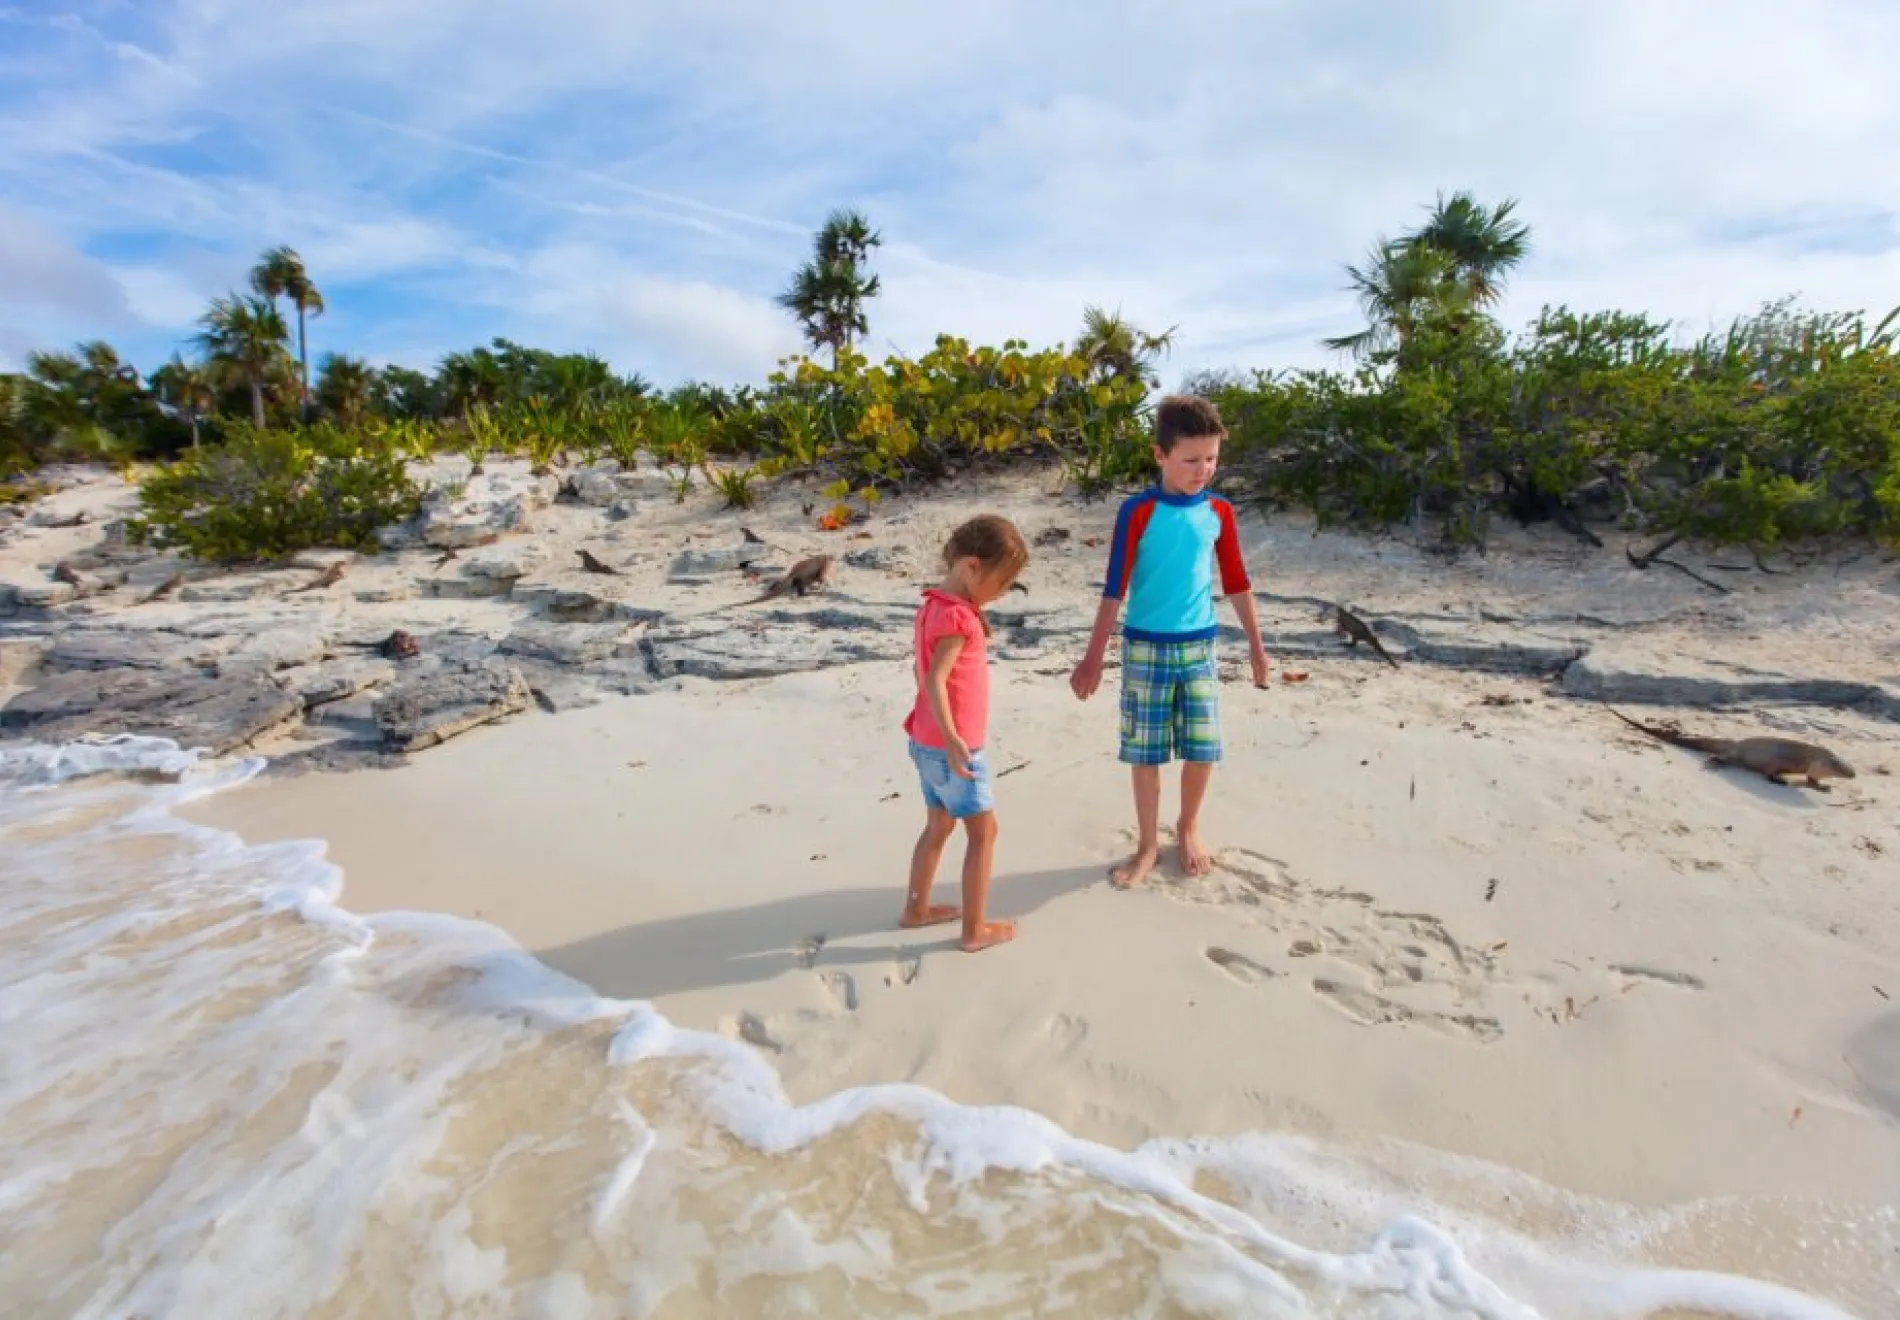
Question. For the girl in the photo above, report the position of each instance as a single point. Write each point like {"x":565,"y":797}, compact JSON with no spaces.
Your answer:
{"x":948,"y":723}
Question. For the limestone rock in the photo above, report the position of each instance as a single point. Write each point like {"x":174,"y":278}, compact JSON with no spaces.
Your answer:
{"x":430,"y":707}
{"x":872,"y":557}
{"x":394,"y":591}
{"x":248,"y":586}
{"x":457,"y":527}
{"x":565,"y":643}
{"x":1605,"y":675}
{"x":43,"y":595}
{"x":129,"y":649}
{"x":18,"y":659}
{"x":277,"y":648}
{"x":467,"y":588}
{"x":217,"y":714}
{"x":576,"y":605}
{"x":595,"y":486}
{"x":506,"y":561}
{"x":764,"y":651}
{"x":336,"y":680}
{"x":717,"y":559}
{"x":622,"y":509}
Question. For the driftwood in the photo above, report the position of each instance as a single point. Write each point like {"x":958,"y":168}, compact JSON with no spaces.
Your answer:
{"x":1654,"y":556}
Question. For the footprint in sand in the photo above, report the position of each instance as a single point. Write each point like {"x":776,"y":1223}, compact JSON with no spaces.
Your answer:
{"x":1373,"y":1010}
{"x":1681,"y":980}
{"x":808,"y":950}
{"x":1242,"y":968}
{"x":1066,"y":1032}
{"x":842,"y":988}
{"x":751,"y":1028}
{"x":904,"y":971}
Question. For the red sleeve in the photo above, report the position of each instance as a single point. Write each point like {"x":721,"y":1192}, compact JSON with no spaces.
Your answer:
{"x":1233,"y":569}
{"x":1130,"y":522}
{"x":948,"y":621}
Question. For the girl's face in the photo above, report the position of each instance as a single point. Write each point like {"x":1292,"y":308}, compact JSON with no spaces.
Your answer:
{"x":982,"y":584}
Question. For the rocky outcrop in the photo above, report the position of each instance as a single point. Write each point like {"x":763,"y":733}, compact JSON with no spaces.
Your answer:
{"x":712,"y":560}
{"x":230,"y":655}
{"x":336,"y":680}
{"x":217,"y":714}
{"x":763,"y":650}
{"x":565,"y":643}
{"x":1606,"y":676}
{"x":431,"y":706}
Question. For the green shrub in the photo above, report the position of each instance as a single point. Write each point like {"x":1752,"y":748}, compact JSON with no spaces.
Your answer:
{"x":735,"y":486}
{"x":1786,"y":427}
{"x":265,"y":494}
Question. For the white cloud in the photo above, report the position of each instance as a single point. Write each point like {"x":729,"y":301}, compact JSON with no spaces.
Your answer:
{"x":51,"y":294}
{"x":584,"y":298}
{"x":40,"y":273}
{"x":641,"y":178}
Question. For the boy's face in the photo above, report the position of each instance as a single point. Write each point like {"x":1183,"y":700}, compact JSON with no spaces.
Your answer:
{"x":1191,"y":466}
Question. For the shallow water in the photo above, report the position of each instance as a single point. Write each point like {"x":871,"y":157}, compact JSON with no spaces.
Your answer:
{"x":224,"y":1095}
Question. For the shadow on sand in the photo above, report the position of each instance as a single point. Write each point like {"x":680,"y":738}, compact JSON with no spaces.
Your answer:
{"x":739,"y":946}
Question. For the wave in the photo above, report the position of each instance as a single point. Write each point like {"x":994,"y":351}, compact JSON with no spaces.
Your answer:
{"x":228,"y":1095}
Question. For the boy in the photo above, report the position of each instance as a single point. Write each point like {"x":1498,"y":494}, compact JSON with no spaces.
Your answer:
{"x":1169,"y":540}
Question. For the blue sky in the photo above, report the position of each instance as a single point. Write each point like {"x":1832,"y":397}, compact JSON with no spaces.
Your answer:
{"x":638,"y":178}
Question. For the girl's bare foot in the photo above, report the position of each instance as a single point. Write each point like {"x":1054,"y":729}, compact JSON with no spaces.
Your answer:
{"x":1133,"y":871}
{"x":932,"y":916}
{"x":1194,"y":858}
{"x":989,"y":935}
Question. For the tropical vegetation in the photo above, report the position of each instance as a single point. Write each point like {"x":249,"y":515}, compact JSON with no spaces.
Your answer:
{"x":1786,"y":426}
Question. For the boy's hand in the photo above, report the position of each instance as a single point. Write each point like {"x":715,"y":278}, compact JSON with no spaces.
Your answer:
{"x":1086,"y":678}
{"x":959,"y":757}
{"x":1259,"y":668}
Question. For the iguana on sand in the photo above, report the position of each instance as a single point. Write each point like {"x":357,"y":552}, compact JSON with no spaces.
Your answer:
{"x":1769,"y":757}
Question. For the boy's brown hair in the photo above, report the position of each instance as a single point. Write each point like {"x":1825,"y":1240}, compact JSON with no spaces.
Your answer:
{"x":1185,"y":417}
{"x":994,"y":542}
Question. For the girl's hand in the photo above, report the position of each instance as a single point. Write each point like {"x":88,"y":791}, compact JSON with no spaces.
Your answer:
{"x":959,"y":757}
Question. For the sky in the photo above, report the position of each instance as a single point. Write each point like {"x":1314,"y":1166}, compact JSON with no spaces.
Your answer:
{"x":639,"y":178}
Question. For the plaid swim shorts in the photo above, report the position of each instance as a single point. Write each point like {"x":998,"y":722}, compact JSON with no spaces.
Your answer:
{"x":1170,"y":701}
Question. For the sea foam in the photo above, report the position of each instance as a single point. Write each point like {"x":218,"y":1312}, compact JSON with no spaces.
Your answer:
{"x":226,"y":1094}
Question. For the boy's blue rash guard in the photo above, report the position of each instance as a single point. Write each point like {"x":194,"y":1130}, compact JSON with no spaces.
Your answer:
{"x":1162,"y":561}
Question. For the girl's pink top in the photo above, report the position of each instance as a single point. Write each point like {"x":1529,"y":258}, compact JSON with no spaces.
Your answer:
{"x":944,"y":615}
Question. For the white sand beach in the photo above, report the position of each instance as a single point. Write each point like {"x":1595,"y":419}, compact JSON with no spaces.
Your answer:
{"x":1472,"y":948}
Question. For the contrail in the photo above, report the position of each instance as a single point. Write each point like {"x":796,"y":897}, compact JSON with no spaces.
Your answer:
{"x":580,"y":172}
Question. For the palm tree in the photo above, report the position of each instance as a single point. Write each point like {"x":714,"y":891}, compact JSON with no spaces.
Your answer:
{"x":188,"y":388}
{"x":243,"y":338}
{"x":827,"y":293}
{"x":82,"y":401}
{"x":55,"y":393}
{"x":1400,"y":285}
{"x":470,"y":378}
{"x":1116,"y":349}
{"x":1452,"y":265}
{"x":280,"y":273}
{"x":17,"y":438}
{"x":846,"y":239}
{"x":346,"y":388}
{"x":1482,"y":244}
{"x":577,"y":380}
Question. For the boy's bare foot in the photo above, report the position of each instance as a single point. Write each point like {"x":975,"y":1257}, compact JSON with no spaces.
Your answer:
{"x":1194,"y":858}
{"x":934,"y":916}
{"x":1133,"y":871}
{"x":989,"y":935}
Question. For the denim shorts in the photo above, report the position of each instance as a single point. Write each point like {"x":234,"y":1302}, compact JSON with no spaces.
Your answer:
{"x":947,"y":791}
